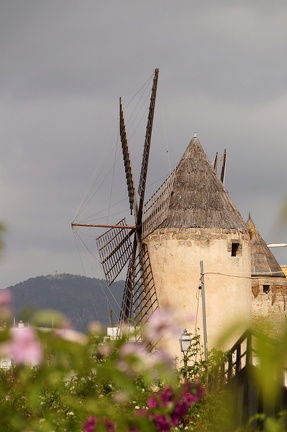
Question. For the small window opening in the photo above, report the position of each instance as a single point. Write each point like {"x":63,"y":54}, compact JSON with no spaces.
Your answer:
{"x":234,"y":249}
{"x":266,"y":289}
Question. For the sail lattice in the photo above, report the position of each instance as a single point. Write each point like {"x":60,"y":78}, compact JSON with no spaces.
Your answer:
{"x":127,"y":161}
{"x":145,"y":158}
{"x":155,"y":209}
{"x":115,"y":248}
{"x":140,"y":298}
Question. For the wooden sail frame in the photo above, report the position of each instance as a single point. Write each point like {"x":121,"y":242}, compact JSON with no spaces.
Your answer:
{"x":115,"y":248}
{"x":136,"y":276}
{"x":140,"y":297}
{"x":155,"y":209}
{"x":122,"y":243}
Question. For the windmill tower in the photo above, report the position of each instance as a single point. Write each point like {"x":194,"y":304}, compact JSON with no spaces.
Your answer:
{"x":200,"y":223}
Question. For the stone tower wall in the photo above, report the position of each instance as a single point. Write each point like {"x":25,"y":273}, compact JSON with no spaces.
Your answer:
{"x":175,"y":255}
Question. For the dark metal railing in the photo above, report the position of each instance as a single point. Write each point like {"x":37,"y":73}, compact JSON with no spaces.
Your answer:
{"x":242,"y":354}
{"x":237,"y":374}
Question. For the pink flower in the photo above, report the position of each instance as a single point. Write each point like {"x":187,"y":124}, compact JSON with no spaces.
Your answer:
{"x":161,"y":323}
{"x":159,"y":358}
{"x":133,"y":358}
{"x":5,"y":304}
{"x":71,"y":335}
{"x":133,"y":349}
{"x":5,"y":297}
{"x":24,"y":347}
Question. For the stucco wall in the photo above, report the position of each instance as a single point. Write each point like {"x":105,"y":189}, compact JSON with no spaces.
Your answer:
{"x":175,"y":256}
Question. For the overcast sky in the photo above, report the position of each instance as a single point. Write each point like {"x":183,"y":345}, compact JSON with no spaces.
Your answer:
{"x":64,"y":64}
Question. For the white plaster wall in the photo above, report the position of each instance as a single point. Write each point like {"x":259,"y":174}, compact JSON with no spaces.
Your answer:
{"x":175,"y":256}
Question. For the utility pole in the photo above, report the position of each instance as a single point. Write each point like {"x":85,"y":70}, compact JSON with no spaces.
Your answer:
{"x":203,"y":311}
{"x":111,"y":317}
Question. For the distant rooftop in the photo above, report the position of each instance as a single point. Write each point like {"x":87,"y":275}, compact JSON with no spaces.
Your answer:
{"x":263,"y":262}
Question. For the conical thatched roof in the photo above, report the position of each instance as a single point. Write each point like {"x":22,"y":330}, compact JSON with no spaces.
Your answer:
{"x":263,"y":262}
{"x":198,"y":197}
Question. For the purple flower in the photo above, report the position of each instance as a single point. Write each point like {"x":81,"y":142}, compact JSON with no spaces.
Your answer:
{"x":110,"y":426}
{"x":152,"y":402}
{"x":193,"y":392}
{"x":167,"y":395}
{"x":180,"y":410}
{"x":141,"y":412}
{"x":90,"y":424}
{"x":190,"y":398}
{"x":161,"y":423}
{"x":169,"y":407}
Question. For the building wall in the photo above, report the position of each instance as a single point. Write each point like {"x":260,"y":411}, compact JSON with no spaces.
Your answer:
{"x":175,"y":256}
{"x":269,"y":302}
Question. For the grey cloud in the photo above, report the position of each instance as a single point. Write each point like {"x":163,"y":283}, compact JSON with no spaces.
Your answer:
{"x":65,"y":63}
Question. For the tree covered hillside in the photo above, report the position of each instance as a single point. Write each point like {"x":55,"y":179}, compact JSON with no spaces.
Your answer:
{"x":80,"y":298}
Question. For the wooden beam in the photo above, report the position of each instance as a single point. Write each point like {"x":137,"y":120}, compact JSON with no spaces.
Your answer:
{"x":102,"y":226}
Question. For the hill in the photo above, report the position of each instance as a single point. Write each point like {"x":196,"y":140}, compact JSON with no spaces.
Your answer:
{"x":79,"y":298}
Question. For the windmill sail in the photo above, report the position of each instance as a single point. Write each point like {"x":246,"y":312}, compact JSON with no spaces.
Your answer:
{"x":115,"y":248}
{"x":155,"y":209}
{"x":123,"y":244}
{"x":145,"y":159}
{"x":127,"y":162}
{"x":140,"y":297}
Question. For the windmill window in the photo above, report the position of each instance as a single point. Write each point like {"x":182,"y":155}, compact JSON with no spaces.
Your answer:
{"x":234,"y":249}
{"x":266,"y":289}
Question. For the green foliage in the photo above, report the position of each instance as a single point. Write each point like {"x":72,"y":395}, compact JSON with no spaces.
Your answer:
{"x":211,"y":414}
{"x":196,"y":367}
{"x":77,"y":377}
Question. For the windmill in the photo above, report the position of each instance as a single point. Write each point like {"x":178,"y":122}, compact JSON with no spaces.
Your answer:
{"x":190,"y":219}
{"x":123,"y":244}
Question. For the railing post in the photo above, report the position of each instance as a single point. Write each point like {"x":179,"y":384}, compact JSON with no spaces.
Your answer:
{"x":229,"y":372}
{"x":222,"y":375}
{"x":238,"y":359}
{"x":249,"y":349}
